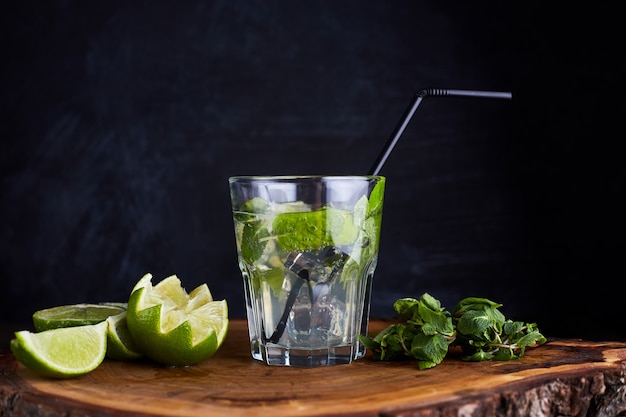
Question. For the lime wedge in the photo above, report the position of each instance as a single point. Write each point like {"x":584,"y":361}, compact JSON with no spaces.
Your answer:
{"x":74,"y":315}
{"x":120,"y":343}
{"x":63,"y":352}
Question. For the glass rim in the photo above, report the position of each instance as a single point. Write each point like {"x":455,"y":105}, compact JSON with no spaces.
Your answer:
{"x":303,"y":177}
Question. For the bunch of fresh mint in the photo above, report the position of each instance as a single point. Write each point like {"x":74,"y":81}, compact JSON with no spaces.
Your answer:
{"x":425,"y":331}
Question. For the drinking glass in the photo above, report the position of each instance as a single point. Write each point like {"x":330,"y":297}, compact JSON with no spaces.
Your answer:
{"x":307,"y":249}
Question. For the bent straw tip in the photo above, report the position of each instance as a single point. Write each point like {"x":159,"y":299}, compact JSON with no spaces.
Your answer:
{"x":441,"y":92}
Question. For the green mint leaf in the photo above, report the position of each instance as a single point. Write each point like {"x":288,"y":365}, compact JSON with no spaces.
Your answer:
{"x":511,"y":328}
{"x":368,"y":228}
{"x":425,"y":311}
{"x":429,"y":350}
{"x":253,"y":228}
{"x":397,"y":343}
{"x":431,"y":302}
{"x":392,"y":343}
{"x":254,"y":240}
{"x":367,"y":241}
{"x":403,"y":306}
{"x":473,"y":303}
{"x":530,"y":339}
{"x":408,"y":312}
{"x":484,"y":326}
{"x":375,"y":205}
{"x":435,"y":320}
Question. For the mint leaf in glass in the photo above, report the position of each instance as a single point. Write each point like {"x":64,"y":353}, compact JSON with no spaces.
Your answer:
{"x":254,"y":240}
{"x":375,"y":204}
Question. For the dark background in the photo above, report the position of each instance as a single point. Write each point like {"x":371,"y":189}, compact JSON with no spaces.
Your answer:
{"x":122,"y":121}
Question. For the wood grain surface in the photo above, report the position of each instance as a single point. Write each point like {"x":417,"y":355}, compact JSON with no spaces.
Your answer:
{"x":562,"y":377}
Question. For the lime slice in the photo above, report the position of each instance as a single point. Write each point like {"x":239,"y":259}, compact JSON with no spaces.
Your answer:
{"x":300,"y":231}
{"x":115,"y":304}
{"x":341,"y":225}
{"x":120,"y":343}
{"x":64,"y":352}
{"x":172,"y":327}
{"x":74,"y":315}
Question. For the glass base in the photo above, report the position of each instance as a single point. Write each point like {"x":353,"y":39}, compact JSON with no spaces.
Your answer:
{"x":281,"y":356}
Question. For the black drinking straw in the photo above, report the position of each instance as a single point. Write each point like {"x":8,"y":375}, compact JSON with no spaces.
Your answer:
{"x":408,"y":114}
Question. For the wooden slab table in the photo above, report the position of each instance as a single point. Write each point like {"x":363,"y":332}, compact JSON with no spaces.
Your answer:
{"x":561,"y":377}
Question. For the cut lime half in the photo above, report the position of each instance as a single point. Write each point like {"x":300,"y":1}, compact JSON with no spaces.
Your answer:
{"x":173,"y":327}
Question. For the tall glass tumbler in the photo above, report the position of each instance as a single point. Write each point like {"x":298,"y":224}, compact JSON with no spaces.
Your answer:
{"x":307,"y":248}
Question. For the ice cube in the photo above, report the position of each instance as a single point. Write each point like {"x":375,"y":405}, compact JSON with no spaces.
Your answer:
{"x":319,"y":266}
{"x":327,"y":316}
{"x":314,"y":313}
{"x":299,"y":319}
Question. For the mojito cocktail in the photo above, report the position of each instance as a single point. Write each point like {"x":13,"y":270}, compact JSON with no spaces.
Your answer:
{"x":307,"y":249}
